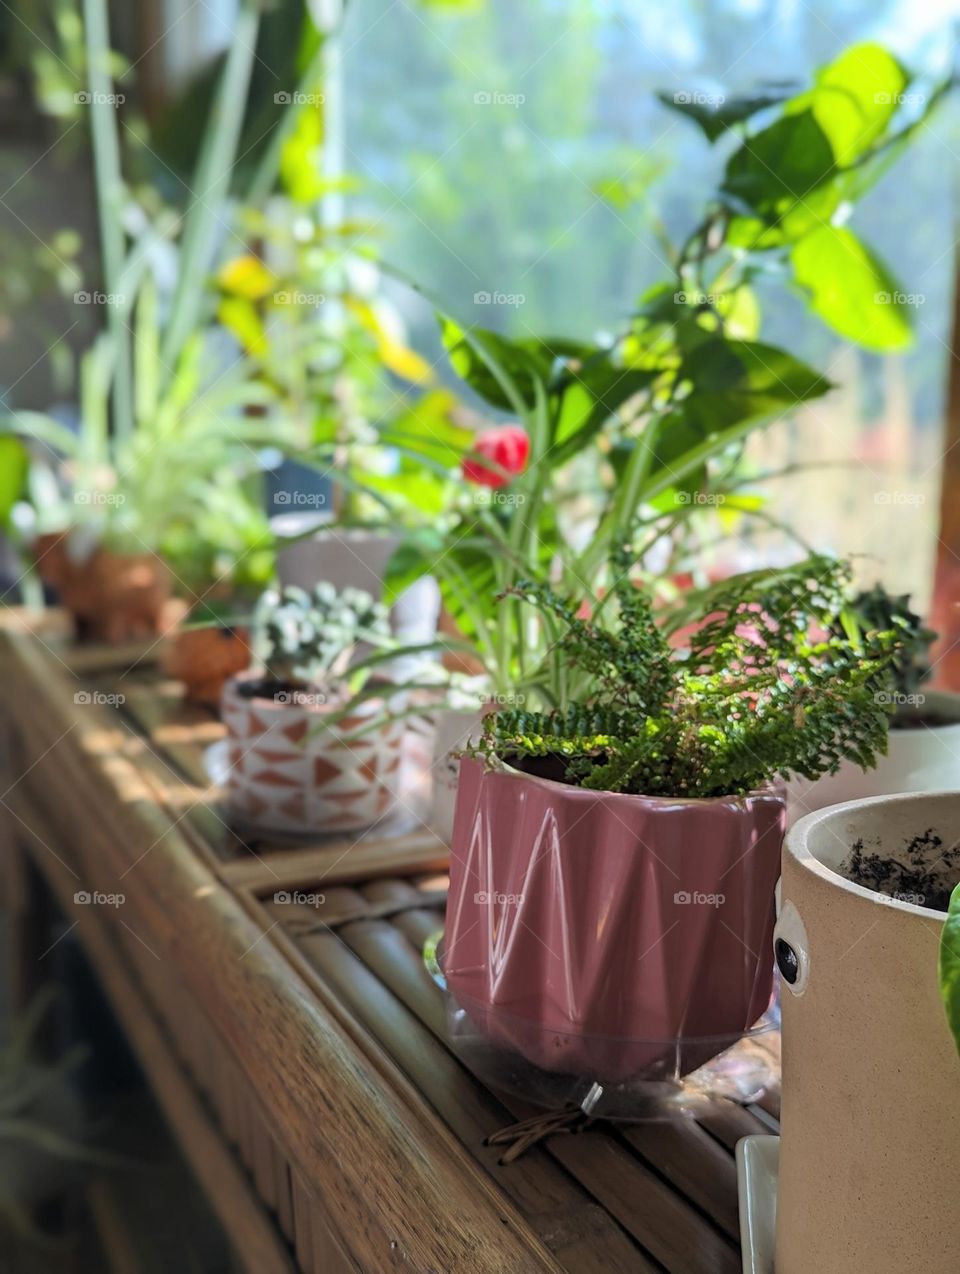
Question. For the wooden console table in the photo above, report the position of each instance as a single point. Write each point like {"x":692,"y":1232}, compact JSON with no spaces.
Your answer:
{"x":298,"y":1049}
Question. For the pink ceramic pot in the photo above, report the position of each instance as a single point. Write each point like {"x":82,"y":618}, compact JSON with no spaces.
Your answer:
{"x":609,"y":935}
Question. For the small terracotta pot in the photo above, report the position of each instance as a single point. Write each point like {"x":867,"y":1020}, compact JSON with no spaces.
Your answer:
{"x":870,"y":1131}
{"x":609,"y":935}
{"x":286,"y":778}
{"x":204,"y":658}
{"x":113,"y":597}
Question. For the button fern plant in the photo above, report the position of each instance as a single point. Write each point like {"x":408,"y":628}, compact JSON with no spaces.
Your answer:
{"x":763,"y":685}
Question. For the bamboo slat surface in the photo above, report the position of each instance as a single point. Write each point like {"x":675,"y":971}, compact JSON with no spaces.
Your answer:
{"x":645,"y":1196}
{"x":310,"y":1032}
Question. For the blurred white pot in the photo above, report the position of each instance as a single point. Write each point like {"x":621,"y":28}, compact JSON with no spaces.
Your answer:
{"x":456,"y":728}
{"x":352,"y":558}
{"x":921,"y":758}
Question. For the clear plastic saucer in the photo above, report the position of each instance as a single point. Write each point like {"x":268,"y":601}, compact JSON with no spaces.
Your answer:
{"x":737,"y":1068}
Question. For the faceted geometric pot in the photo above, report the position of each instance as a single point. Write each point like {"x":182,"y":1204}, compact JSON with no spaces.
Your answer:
{"x":284,"y":777}
{"x":609,"y":935}
{"x":870,"y":1131}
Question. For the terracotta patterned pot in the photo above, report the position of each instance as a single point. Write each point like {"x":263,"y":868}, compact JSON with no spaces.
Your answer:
{"x":870,"y":1131}
{"x":592,"y":931}
{"x":282,"y":778}
{"x":204,"y":658}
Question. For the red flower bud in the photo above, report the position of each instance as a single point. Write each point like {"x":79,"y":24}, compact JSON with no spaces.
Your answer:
{"x":507,"y":446}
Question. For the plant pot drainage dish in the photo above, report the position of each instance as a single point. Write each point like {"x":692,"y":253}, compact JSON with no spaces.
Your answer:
{"x":305,"y":755}
{"x":614,"y":861}
{"x":870,"y":1129}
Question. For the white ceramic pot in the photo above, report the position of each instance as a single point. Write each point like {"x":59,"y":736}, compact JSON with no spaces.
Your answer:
{"x":456,"y":728}
{"x":870,"y":1131}
{"x":919,"y":759}
{"x":285,"y":778}
{"x":351,"y":558}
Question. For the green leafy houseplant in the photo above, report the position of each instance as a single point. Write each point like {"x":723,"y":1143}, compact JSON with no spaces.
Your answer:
{"x":759,"y":688}
{"x":44,"y":1140}
{"x":631,"y":439}
{"x":293,"y":762}
{"x":950,"y":965}
{"x":167,"y":457}
{"x":305,"y":640}
{"x":875,"y":609}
